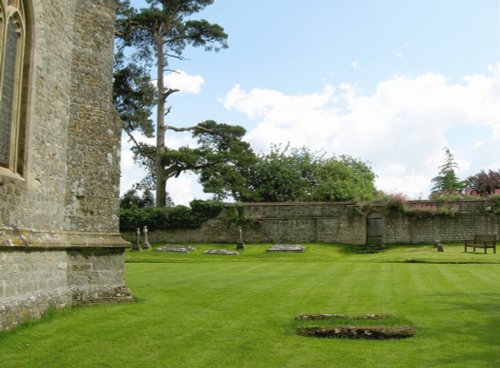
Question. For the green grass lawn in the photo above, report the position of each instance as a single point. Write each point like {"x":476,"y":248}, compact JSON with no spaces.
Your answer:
{"x":196,"y":310}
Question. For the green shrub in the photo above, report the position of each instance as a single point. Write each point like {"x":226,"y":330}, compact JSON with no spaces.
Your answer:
{"x":178,"y":217}
{"x":206,"y":209}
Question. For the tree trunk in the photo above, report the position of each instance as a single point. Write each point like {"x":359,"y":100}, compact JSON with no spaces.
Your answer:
{"x":161,"y":180}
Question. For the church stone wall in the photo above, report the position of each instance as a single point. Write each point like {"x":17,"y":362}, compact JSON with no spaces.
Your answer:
{"x":92,"y":177}
{"x":59,"y":238}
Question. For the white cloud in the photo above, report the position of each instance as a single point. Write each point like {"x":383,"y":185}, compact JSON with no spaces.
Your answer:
{"x":184,"y":81}
{"x":185,"y":188}
{"x":354,"y":64}
{"x":401,"y":128}
{"x":130,"y":172}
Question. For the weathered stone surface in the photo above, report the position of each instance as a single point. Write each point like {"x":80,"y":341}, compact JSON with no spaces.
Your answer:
{"x":323,"y":316}
{"x":438,"y":246}
{"x":43,"y":239}
{"x":176,"y":249}
{"x":359,"y":332}
{"x":224,"y":252}
{"x":59,"y":239}
{"x":34,"y":279}
{"x":340,"y":222}
{"x":286,"y":248}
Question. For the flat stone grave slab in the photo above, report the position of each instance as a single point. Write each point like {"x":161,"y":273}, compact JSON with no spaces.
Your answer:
{"x":380,"y":332}
{"x":296,"y":248}
{"x":224,"y":252}
{"x":359,"y":332}
{"x":323,"y":316}
{"x":176,"y":249}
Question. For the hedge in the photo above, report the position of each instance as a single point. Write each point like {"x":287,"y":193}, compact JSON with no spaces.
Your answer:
{"x":177,"y":217}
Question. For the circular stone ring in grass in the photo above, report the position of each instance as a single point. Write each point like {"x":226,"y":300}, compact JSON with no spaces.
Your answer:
{"x":224,"y":252}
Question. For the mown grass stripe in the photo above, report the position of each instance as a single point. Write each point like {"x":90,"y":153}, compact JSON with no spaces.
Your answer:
{"x":218,"y":312}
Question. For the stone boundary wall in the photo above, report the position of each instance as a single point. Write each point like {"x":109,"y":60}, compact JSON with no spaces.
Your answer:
{"x":340,"y":222}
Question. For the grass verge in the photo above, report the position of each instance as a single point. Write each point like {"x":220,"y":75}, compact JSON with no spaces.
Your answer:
{"x":195,"y":310}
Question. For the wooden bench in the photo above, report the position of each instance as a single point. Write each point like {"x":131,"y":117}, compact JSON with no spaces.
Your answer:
{"x":484,"y":241}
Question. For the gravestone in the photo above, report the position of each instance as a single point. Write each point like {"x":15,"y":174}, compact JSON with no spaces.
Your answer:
{"x":176,"y":249}
{"x":438,"y":246}
{"x":296,"y":248}
{"x":223,"y":252}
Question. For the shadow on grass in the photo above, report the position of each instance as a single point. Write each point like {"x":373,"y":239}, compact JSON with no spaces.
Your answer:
{"x":49,"y":315}
{"x":427,"y":261}
{"x":483,"y":333}
{"x":349,"y":249}
{"x":53,"y":313}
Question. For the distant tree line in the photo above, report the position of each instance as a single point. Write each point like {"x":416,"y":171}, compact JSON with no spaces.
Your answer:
{"x":283,"y":175}
{"x":289,"y":174}
{"x":286,"y":175}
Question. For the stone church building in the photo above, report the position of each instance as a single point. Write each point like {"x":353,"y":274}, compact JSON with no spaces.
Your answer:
{"x":59,"y":158}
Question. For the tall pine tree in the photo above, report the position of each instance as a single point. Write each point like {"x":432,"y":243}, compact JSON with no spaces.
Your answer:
{"x":447,"y":181}
{"x":149,"y":38}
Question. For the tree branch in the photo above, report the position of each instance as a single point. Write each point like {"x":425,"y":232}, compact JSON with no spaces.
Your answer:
{"x":179,"y":57}
{"x":132,"y":138}
{"x":177,"y":169}
{"x":169,"y":92}
{"x":176,"y":129}
{"x":187,"y":129}
{"x":173,"y":171}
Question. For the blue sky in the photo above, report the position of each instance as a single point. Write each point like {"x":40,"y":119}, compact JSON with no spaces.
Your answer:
{"x":389,"y":82}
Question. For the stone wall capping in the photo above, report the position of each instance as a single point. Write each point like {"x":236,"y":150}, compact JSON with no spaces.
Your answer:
{"x":31,"y":238}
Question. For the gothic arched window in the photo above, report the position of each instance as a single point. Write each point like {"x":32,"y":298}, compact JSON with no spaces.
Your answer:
{"x":12,"y":52}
